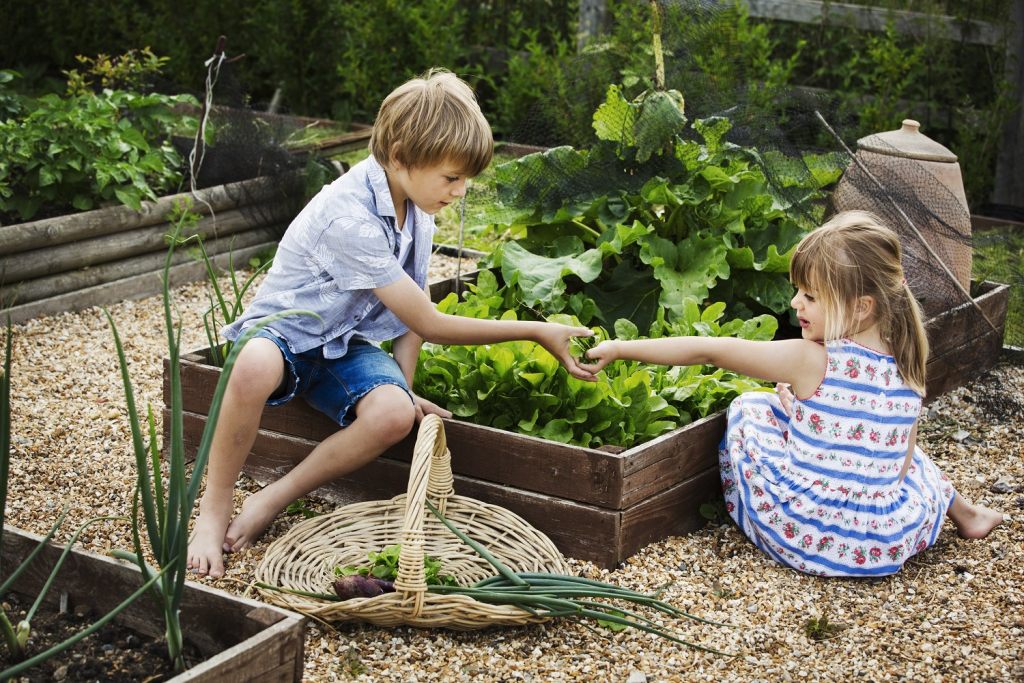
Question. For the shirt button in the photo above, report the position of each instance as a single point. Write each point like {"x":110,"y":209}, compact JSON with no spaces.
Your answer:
{"x":323,"y":339}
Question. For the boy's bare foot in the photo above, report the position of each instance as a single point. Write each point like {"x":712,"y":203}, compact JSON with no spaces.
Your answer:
{"x":256,"y":516}
{"x":205,"y":548}
{"x":973,"y":520}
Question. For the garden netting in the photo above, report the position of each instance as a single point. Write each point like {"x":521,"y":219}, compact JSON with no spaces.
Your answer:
{"x":682,"y":131}
{"x":240,"y":143}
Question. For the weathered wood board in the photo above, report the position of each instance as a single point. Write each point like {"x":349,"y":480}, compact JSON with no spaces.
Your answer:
{"x":242,"y":639}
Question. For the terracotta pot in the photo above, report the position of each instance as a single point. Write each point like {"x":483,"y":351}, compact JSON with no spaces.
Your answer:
{"x":923,"y":178}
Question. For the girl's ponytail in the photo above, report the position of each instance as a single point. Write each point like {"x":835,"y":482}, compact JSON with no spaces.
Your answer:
{"x":904,"y":329}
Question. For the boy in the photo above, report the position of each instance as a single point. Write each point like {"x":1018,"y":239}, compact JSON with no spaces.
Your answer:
{"x":357,"y":255}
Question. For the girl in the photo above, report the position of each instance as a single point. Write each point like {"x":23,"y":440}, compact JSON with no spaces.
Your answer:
{"x":835,"y":486}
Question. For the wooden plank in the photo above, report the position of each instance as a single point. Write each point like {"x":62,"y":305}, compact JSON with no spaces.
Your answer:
{"x":877,"y":19}
{"x":268,"y":656}
{"x":985,"y":222}
{"x":692,"y":449}
{"x":212,"y":620}
{"x":94,"y":251}
{"x":73,"y":227}
{"x":129,"y":288}
{"x":75,"y":280}
{"x":956,"y":326}
{"x":674,"y":511}
{"x":580,"y":474}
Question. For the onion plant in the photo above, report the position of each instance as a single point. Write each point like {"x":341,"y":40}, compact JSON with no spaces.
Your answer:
{"x":16,"y":636}
{"x":166,"y":508}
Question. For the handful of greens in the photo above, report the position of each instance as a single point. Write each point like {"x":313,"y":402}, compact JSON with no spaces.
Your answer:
{"x":367,"y":581}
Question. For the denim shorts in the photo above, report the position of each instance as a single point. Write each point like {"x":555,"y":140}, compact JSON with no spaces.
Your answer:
{"x":334,"y":385}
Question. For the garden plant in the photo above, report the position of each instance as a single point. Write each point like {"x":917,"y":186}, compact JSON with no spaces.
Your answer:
{"x":167,"y":506}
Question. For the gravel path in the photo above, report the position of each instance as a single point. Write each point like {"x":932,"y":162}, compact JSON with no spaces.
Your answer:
{"x":956,"y":612}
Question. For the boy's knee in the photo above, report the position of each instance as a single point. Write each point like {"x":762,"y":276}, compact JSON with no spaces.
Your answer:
{"x":389,"y":411}
{"x":258,"y":371}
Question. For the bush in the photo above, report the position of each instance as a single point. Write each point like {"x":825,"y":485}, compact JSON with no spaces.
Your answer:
{"x":79,"y":152}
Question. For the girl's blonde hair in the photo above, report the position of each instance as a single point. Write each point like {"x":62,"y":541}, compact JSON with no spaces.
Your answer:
{"x":854,"y":255}
{"x":431,"y":120}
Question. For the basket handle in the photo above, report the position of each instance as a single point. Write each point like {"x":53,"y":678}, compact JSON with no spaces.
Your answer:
{"x":430,"y":474}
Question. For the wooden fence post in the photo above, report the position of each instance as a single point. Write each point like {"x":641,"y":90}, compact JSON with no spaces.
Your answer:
{"x":592,"y":14}
{"x":1009,"y":187}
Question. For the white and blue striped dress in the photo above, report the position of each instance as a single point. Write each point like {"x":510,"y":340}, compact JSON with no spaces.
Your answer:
{"x":820,"y":491}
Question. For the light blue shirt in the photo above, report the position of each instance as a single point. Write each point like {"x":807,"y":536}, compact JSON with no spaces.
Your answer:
{"x":340,"y":247}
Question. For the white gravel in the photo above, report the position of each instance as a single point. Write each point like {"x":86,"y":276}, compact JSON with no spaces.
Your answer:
{"x":955,"y":613}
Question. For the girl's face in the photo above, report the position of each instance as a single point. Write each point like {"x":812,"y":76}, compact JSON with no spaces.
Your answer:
{"x":810,"y":313}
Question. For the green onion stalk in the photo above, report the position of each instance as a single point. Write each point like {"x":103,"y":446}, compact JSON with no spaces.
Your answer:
{"x":165,"y":510}
{"x":16,"y":636}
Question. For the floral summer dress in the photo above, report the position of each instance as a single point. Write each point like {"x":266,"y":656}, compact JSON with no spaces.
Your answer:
{"x":820,"y":491}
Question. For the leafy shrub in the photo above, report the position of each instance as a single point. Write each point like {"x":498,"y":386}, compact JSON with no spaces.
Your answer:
{"x":131,"y":71}
{"x":83,"y":151}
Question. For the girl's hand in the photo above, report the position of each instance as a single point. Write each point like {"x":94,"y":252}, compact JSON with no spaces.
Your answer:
{"x":554,"y":337}
{"x":785,"y":397}
{"x":604,"y":353}
{"x":425,"y":407}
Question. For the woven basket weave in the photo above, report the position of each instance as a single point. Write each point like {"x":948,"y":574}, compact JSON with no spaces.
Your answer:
{"x":306,"y":556}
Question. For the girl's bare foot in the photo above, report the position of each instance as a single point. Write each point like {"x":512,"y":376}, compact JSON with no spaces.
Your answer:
{"x":257,"y":514}
{"x":973,"y":520}
{"x":205,"y":548}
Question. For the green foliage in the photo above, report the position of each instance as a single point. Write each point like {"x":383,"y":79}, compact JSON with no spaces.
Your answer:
{"x":384,"y":565}
{"x":10,"y":101}
{"x":131,"y":71}
{"x":80,"y":152}
{"x":957,"y":90}
{"x":999,"y":257}
{"x":820,"y":628}
{"x":644,"y":219}
{"x":666,"y":232}
{"x":518,"y":386}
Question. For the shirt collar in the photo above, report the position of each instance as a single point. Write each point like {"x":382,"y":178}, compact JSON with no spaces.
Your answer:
{"x":378,"y":180}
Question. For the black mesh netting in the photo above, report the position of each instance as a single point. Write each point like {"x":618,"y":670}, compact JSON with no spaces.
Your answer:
{"x":250,"y":154}
{"x":681,"y":132}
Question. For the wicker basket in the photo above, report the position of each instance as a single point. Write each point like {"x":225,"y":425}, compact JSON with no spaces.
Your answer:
{"x":306,"y":556}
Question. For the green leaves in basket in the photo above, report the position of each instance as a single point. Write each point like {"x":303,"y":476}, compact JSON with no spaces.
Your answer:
{"x":384,"y":565}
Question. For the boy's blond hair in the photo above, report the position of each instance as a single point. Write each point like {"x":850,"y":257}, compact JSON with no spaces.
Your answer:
{"x":431,"y":120}
{"x":853,"y":255}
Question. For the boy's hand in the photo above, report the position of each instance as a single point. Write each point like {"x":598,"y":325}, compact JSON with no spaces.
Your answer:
{"x":425,"y":407}
{"x":555,"y":338}
{"x":603,"y":354}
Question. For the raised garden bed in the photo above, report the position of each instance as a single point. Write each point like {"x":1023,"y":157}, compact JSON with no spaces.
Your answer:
{"x":597,"y":505}
{"x":241,"y":639}
{"x":71,"y":262}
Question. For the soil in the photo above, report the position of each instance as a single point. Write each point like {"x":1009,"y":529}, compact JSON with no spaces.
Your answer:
{"x":114,"y":654}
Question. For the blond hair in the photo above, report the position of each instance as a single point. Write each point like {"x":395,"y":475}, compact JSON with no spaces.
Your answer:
{"x":431,"y":120}
{"x":854,"y":255}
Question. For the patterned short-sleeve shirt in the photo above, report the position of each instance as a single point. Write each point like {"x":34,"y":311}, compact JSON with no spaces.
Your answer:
{"x":340,"y":247}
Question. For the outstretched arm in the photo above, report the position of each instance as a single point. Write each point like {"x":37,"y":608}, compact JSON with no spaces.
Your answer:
{"x":414,"y":308}
{"x":798,"y":362}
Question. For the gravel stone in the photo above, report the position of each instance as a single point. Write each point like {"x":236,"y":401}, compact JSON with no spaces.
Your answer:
{"x":952,"y":614}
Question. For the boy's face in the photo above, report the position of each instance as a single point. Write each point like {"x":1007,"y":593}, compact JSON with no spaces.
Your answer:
{"x":431,"y":188}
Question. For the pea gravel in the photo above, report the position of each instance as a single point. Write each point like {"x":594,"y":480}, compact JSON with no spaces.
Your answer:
{"x":955,"y":613}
